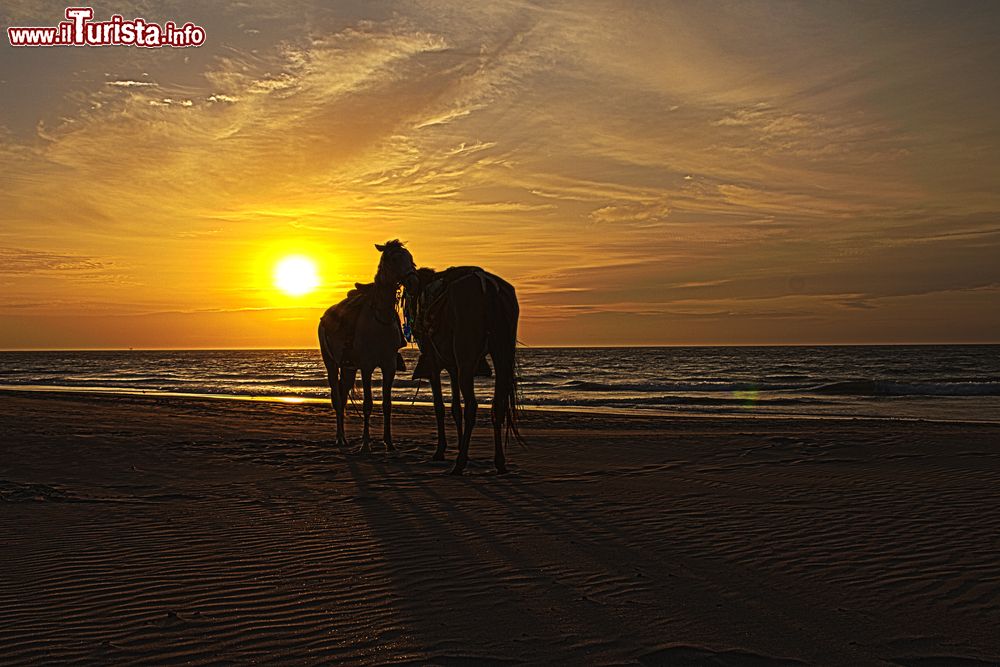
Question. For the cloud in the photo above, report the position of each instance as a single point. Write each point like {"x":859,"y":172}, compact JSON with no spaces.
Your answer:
{"x":131,"y":84}
{"x":659,"y":163}
{"x":169,"y":102}
{"x":21,"y":261}
{"x":443,"y":119}
{"x":648,"y":213}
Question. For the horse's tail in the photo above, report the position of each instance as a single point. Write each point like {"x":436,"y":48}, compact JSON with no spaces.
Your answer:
{"x":324,"y":348}
{"x":503,"y":327}
{"x":332,"y":367}
{"x":514,"y":403}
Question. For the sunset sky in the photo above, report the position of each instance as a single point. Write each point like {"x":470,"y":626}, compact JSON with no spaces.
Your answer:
{"x":642,"y":172}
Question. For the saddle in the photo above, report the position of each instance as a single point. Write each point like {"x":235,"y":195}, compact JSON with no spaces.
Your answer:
{"x":426,"y":315}
{"x":340,"y":321}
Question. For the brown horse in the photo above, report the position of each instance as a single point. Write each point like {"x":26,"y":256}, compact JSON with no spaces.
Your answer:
{"x":459,"y":316}
{"x":362,"y":332}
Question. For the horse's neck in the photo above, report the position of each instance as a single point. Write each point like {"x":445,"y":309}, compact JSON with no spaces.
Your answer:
{"x":383,"y":299}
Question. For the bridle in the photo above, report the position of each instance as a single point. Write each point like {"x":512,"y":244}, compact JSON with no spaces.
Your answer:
{"x":380,"y":280}
{"x":382,"y":284}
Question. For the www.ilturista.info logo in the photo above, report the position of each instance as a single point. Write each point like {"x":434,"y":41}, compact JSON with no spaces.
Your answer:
{"x":79,"y":30}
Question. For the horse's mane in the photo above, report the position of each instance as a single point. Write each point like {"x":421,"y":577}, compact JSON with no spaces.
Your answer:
{"x":425,"y":275}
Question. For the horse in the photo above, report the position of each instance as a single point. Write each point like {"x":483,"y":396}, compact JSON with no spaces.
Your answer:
{"x":458,"y":317}
{"x":363,"y":332}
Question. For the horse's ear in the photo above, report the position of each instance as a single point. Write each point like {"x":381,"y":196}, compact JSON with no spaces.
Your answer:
{"x":379,"y":247}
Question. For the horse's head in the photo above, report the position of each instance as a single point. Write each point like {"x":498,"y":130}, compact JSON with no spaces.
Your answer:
{"x":396,"y":266}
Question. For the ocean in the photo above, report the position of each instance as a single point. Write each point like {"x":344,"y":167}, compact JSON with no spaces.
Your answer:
{"x":939,"y":382}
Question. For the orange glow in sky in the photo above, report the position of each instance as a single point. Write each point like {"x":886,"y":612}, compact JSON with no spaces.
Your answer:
{"x":643,"y":173}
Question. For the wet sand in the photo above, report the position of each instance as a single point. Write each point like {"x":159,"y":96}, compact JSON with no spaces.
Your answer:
{"x":139,"y":529}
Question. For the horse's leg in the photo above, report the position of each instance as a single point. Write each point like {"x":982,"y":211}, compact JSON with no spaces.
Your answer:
{"x":347,"y":376}
{"x":388,"y":374}
{"x":438,"y":415}
{"x":333,"y":379}
{"x":456,"y":403}
{"x":338,"y":405}
{"x":467,"y":385}
{"x":498,"y":414}
{"x":366,"y":383}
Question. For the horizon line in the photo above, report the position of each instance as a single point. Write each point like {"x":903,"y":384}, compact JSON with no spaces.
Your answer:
{"x":520,"y":346}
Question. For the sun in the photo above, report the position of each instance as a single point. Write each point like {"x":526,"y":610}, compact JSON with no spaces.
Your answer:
{"x":296,"y":275}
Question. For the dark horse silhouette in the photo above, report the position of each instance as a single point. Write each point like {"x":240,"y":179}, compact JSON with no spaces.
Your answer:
{"x":458,"y":317}
{"x":362,"y":332}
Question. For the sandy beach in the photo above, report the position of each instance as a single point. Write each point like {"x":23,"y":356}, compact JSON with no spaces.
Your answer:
{"x":203,"y":531}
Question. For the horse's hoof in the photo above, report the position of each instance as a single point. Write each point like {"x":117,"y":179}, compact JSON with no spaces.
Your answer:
{"x":362,"y":450}
{"x":456,"y":471}
{"x":438,"y":456}
{"x":502,"y":470}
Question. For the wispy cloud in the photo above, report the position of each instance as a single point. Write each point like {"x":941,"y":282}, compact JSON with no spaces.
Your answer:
{"x":669,"y":165}
{"x":131,"y":84}
{"x":20,"y":261}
